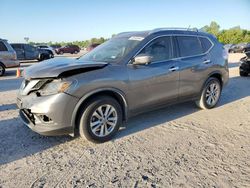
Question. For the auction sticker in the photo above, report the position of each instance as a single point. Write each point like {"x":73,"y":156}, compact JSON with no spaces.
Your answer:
{"x":136,"y":38}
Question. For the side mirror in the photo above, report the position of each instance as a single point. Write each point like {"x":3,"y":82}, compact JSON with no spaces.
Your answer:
{"x":142,"y":59}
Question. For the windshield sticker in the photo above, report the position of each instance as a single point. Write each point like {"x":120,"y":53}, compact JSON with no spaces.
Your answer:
{"x":136,"y":38}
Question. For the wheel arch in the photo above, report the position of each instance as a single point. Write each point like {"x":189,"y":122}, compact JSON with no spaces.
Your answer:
{"x":115,"y":93}
{"x":214,"y":74}
{"x":1,"y":63}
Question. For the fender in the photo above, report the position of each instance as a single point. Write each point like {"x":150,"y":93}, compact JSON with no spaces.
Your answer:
{"x":85,"y":97}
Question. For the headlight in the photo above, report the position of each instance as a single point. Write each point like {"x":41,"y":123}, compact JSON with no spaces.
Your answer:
{"x":56,"y":86}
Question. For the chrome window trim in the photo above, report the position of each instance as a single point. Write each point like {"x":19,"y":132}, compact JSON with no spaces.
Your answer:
{"x":177,"y":58}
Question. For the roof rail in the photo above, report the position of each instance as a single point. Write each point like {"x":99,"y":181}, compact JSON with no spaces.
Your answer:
{"x":174,"y":28}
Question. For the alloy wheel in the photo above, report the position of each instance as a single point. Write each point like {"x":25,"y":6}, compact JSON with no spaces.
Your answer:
{"x":212,"y":93}
{"x":103,"y":120}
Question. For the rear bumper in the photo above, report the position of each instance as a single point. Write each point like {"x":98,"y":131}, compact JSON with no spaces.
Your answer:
{"x":48,"y":115}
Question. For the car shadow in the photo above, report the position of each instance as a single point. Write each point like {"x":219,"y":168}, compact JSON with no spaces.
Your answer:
{"x":5,"y":107}
{"x":10,"y":84}
{"x":232,"y":65}
{"x":18,"y":141}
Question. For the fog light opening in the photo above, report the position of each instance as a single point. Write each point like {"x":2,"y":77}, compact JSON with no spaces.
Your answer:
{"x":45,"y":119}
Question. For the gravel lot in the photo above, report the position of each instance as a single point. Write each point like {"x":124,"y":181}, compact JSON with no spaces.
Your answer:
{"x":179,"y":146}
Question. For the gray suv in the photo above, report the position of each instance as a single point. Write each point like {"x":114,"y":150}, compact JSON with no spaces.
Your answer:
{"x":8,"y":56}
{"x":131,"y":73}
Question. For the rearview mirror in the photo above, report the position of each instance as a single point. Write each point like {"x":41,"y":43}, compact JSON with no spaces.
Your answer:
{"x":142,"y":59}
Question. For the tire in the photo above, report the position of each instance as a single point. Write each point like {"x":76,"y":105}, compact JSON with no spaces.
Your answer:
{"x":41,"y":58}
{"x":51,"y":55}
{"x":2,"y":69}
{"x":75,"y":52}
{"x":91,"y":114}
{"x":208,"y":102}
{"x":61,"y":52}
{"x":243,"y":74}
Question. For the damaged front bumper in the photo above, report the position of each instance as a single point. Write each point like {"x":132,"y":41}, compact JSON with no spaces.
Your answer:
{"x":48,"y":115}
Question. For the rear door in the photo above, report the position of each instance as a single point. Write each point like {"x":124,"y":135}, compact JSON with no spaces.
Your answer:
{"x":30,"y":52}
{"x":194,"y":63}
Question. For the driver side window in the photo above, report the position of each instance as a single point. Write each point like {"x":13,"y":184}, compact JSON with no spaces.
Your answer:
{"x":159,"y":49}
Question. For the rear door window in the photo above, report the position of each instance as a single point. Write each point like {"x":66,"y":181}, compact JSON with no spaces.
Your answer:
{"x":3,"y":48}
{"x":206,"y":44}
{"x":189,"y":46}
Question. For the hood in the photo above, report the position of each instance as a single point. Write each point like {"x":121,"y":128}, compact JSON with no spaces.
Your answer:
{"x":60,"y":67}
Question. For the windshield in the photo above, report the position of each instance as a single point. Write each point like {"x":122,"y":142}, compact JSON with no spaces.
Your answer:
{"x":113,"y":50}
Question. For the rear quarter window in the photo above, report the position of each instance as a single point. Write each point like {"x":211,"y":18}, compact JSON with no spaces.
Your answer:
{"x":189,"y":46}
{"x":206,"y":44}
{"x":3,"y":48}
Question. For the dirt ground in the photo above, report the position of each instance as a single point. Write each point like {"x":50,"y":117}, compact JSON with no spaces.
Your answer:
{"x":179,"y":146}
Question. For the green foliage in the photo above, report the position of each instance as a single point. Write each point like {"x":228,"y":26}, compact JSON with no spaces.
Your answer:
{"x":233,"y":35}
{"x":213,"y":28}
{"x":84,"y":43}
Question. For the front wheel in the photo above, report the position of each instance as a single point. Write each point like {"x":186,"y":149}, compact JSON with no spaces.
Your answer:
{"x":210,"y":94}
{"x":100,"y":120}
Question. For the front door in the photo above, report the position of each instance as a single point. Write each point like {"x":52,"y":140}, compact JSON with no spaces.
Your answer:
{"x":154,"y":84}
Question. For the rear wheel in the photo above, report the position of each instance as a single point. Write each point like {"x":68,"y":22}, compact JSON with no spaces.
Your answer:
{"x":75,"y":52}
{"x":61,"y":52}
{"x":243,"y":73}
{"x":2,"y":69}
{"x":210,"y":94}
{"x":100,"y":120}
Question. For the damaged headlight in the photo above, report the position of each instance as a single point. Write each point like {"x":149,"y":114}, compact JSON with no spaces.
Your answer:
{"x":56,"y":86}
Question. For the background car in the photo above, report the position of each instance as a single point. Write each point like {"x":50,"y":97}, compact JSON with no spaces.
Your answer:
{"x":227,"y":47}
{"x":29,"y":52}
{"x":47,"y":48}
{"x":8,"y":56}
{"x":237,"y":48}
{"x":92,"y":46}
{"x":247,"y":48}
{"x":244,"y":68}
{"x":73,"y":49}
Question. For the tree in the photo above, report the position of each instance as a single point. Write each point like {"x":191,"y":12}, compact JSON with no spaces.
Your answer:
{"x":233,"y":35}
{"x":213,"y":28}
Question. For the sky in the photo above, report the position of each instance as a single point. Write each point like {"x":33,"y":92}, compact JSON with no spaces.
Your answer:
{"x":71,"y":20}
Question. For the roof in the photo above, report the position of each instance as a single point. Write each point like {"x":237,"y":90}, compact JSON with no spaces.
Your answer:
{"x":167,"y":30}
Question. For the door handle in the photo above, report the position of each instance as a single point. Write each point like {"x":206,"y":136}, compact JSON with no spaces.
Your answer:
{"x":207,"y":61}
{"x":173,"y":69}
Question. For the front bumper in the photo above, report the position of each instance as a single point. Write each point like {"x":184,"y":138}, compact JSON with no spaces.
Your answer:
{"x":48,"y":115}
